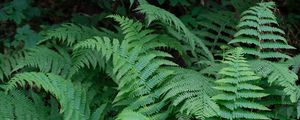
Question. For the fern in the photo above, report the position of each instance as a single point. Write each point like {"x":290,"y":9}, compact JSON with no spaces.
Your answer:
{"x":71,"y":34}
{"x":86,"y":58}
{"x":46,"y":60}
{"x":154,"y":13}
{"x":137,"y":66}
{"x":258,"y":26}
{"x":17,"y":106}
{"x":192,"y":91}
{"x":173,"y":66}
{"x":239,"y":89}
{"x":71,"y":97}
{"x":6,"y":109}
{"x":278,"y":74}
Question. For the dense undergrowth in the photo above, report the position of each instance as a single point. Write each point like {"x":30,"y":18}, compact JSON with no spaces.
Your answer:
{"x":149,"y":60}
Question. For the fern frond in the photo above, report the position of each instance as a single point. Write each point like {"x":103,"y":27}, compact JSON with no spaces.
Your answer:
{"x":71,"y":97}
{"x":16,"y":105}
{"x":191,"y":91}
{"x":238,"y":89}
{"x":258,"y":26}
{"x":277,"y":74}
{"x":86,"y":58}
{"x":155,"y":13}
{"x":137,"y":67}
{"x":6,"y":107}
{"x":46,"y":60}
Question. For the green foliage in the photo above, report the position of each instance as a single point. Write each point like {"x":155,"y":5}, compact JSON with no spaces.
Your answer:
{"x":46,"y":60}
{"x":278,"y":74}
{"x":16,"y":105}
{"x":137,"y":66}
{"x":191,"y":91}
{"x":239,"y":89}
{"x":71,"y":97}
{"x":86,"y":58}
{"x":155,"y":13}
{"x":134,"y":60}
{"x":258,"y":26}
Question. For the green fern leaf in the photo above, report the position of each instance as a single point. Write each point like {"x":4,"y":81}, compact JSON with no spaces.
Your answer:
{"x":154,"y":13}
{"x":193,"y":90}
{"x":15,"y":105}
{"x":71,"y":97}
{"x":258,"y":26}
{"x":238,"y":89}
{"x":277,"y":74}
{"x":136,"y":67}
{"x":46,"y":60}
